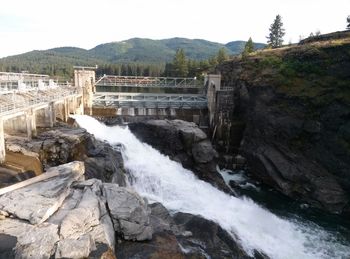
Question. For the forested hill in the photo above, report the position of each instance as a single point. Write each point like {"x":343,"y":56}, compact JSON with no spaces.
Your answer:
{"x":59,"y":61}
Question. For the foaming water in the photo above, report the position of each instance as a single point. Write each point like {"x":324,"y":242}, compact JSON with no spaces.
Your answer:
{"x":159,"y":179}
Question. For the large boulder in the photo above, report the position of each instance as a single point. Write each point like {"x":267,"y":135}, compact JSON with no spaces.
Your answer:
{"x":61,"y":216}
{"x":184,"y":142}
{"x":85,"y":227}
{"x":37,"y":202}
{"x":202,"y":238}
{"x":23,"y":240}
{"x":182,"y":236}
{"x":129,"y":212}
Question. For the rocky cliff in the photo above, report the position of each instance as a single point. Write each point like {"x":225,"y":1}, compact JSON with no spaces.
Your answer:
{"x":82,"y":209}
{"x":295,"y":105}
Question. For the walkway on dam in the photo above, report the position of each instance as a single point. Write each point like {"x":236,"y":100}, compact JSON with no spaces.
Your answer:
{"x":149,"y":92}
{"x":15,"y":101}
{"x":28,"y":101}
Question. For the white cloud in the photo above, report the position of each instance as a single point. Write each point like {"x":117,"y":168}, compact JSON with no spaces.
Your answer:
{"x":42,"y":24}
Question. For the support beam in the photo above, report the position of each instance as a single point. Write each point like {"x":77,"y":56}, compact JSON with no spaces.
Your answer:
{"x":213,"y":83}
{"x":66,"y":110}
{"x":51,"y":114}
{"x":2,"y":142}
{"x":31,"y":124}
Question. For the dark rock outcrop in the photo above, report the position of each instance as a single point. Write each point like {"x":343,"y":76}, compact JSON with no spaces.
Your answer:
{"x":206,"y":239}
{"x":183,"y":142}
{"x":129,"y":212}
{"x":64,"y":144}
{"x":183,"y":236}
{"x":296,"y":135}
{"x":65,"y":216}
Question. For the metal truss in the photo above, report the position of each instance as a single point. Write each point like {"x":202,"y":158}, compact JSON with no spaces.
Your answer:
{"x":135,"y":100}
{"x":140,"y":81}
{"x":17,"y":100}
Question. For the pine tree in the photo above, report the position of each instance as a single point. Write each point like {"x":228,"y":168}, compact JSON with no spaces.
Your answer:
{"x":213,"y":61}
{"x":221,"y":56}
{"x":248,"y":47}
{"x":180,"y":68}
{"x":275,"y":38}
{"x":348,"y":20}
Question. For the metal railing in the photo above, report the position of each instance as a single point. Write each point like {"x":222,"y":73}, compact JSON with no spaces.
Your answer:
{"x":16,"y":101}
{"x":25,"y":81}
{"x":20,"y":76}
{"x":139,"y":81}
{"x":125,"y":100}
{"x":226,"y":88}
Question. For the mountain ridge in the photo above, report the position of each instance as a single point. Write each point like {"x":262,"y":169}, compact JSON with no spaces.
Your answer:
{"x":131,"y":51}
{"x":232,"y":47}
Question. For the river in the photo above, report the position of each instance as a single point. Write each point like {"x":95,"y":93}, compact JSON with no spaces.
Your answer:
{"x":160,"y":179}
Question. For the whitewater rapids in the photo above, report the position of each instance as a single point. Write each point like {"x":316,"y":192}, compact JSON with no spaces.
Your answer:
{"x":160,"y":179}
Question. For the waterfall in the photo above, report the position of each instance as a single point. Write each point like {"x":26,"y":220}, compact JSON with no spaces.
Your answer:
{"x":160,"y":179}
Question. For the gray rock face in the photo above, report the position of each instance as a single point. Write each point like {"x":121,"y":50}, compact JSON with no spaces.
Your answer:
{"x":203,"y":152}
{"x":63,"y":216}
{"x":64,"y":144}
{"x":183,"y":236}
{"x":93,"y":214}
{"x":32,"y":241}
{"x":84,"y":222}
{"x":297,"y":147}
{"x":183,"y":142}
{"x":75,"y":248}
{"x":39,"y":201}
{"x":206,"y":239}
{"x":129,"y":212}
{"x":287,"y":170}
{"x":286,"y":152}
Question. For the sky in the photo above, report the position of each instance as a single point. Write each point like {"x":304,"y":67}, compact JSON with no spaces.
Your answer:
{"x":26,"y":25}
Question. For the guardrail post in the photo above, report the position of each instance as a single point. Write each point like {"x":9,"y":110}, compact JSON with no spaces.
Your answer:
{"x":2,"y":142}
{"x":65,"y":110}
{"x":51,"y":114}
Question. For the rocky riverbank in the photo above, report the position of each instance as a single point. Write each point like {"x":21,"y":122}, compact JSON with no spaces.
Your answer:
{"x":184,"y":142}
{"x":84,"y":209}
{"x":294,"y":104}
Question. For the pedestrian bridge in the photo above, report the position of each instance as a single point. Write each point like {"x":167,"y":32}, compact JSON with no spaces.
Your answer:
{"x":143,"y":81}
{"x":149,"y":92}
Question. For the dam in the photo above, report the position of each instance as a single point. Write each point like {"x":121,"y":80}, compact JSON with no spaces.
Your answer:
{"x":32,"y":101}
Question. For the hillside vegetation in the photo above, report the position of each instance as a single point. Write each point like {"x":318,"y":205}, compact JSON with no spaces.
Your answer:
{"x":135,"y":51}
{"x":294,"y":103}
{"x":316,"y":71}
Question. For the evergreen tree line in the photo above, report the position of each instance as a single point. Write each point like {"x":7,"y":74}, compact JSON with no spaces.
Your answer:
{"x":181,"y":66}
{"x":132,"y":69}
{"x":62,"y":70}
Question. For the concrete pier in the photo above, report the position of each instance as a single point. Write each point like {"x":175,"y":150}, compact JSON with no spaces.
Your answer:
{"x":22,"y":111}
{"x":2,"y":142}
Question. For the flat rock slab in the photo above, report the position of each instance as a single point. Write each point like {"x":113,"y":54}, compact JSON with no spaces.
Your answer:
{"x":37,"y":202}
{"x":32,"y":241}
